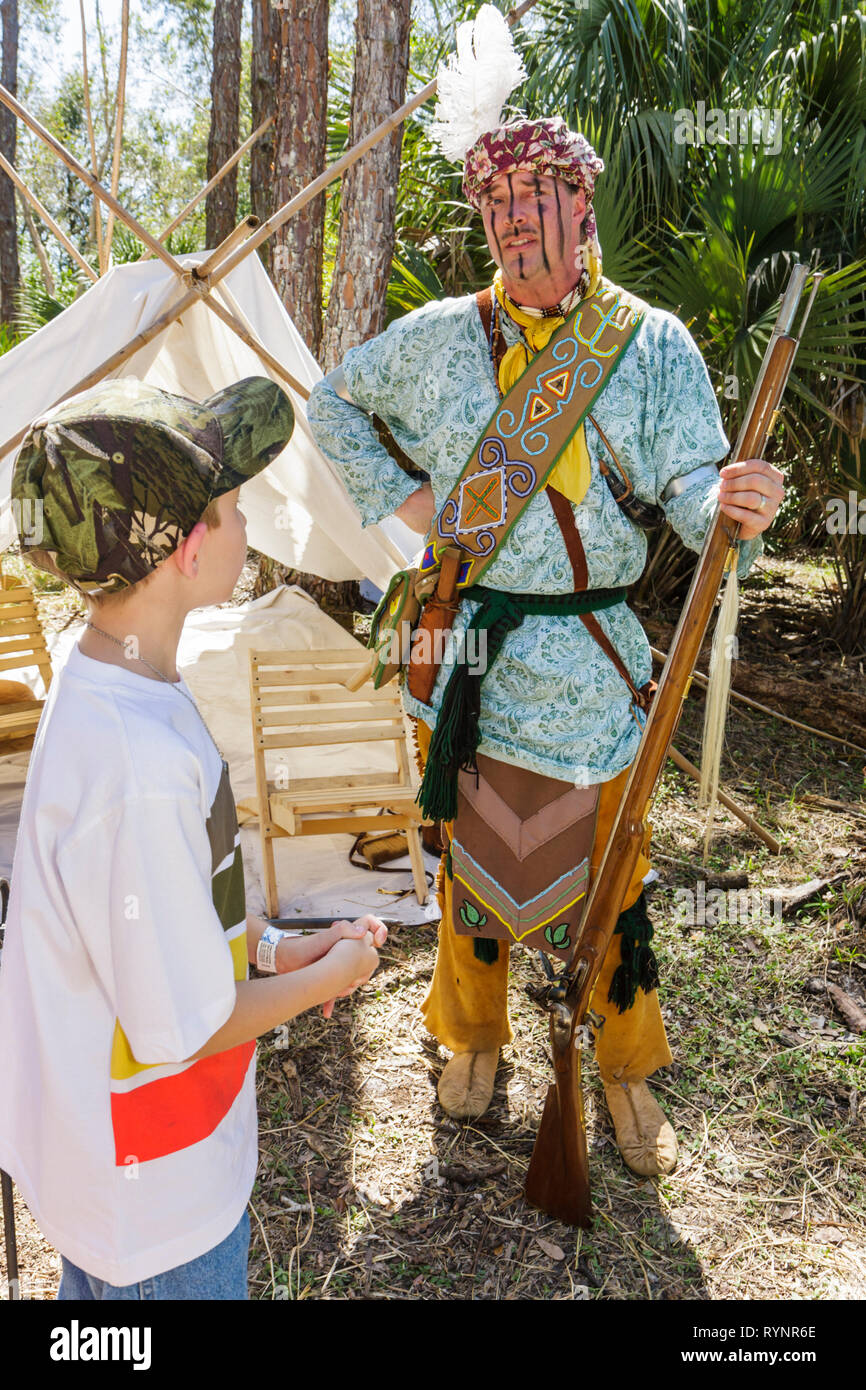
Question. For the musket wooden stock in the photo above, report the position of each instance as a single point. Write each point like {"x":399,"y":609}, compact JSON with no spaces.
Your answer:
{"x":558,"y":1176}
{"x":560,"y":1153}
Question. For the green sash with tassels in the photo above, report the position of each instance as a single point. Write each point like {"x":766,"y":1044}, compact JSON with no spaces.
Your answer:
{"x":456,"y":736}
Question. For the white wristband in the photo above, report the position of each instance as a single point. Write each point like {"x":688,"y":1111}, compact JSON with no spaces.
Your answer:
{"x":266,"y":950}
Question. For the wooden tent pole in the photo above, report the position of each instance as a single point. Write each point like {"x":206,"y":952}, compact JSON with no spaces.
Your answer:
{"x":46,"y":216}
{"x":118,"y":127}
{"x":97,"y":218}
{"x":247,"y":336}
{"x":229,"y":164}
{"x":237,"y":234}
{"x":93,"y":184}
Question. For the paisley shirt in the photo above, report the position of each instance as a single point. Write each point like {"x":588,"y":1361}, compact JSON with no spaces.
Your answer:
{"x":552,"y":702}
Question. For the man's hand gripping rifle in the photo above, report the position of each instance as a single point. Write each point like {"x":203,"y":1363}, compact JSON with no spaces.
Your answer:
{"x":558,"y":1176}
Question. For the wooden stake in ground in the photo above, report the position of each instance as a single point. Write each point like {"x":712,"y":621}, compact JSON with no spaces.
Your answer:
{"x":727,"y":801}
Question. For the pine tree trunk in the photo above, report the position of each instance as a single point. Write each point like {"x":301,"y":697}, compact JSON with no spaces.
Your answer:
{"x":356,"y":310}
{"x":9,"y":270}
{"x":300,"y":143}
{"x":221,"y":203}
{"x":264,"y":68}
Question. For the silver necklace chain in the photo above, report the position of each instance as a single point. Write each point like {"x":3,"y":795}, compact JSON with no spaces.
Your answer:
{"x":174,"y":684}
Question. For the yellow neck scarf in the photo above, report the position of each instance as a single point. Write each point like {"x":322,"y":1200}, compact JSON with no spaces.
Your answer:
{"x":572,"y":472}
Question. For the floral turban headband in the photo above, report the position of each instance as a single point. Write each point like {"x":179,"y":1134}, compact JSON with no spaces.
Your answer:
{"x":546,"y":147}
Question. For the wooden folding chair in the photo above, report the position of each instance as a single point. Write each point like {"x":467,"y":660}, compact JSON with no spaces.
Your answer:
{"x":22,"y":644}
{"x":300,"y":701}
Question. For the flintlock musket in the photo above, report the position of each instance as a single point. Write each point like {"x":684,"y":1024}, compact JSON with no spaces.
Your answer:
{"x":558,"y":1176}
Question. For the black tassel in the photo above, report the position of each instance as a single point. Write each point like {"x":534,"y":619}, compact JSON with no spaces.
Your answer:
{"x":639,"y":968}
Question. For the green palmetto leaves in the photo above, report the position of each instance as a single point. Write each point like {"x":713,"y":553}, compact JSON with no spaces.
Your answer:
{"x":710,"y":229}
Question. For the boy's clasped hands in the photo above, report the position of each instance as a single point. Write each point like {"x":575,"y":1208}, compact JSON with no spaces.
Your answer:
{"x":348,"y":949}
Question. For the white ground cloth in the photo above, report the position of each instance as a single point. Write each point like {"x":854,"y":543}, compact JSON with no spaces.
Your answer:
{"x":313,"y":873}
{"x":298,"y":511}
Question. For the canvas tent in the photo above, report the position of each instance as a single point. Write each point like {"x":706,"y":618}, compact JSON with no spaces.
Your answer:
{"x":298,"y":511}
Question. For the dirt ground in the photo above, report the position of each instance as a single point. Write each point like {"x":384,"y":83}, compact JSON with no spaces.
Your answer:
{"x":367,"y":1191}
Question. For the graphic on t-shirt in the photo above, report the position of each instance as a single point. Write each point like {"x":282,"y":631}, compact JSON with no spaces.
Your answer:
{"x":157,"y":1109}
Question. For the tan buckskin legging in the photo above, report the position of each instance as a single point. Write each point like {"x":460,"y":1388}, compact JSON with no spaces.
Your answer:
{"x":467,"y":1007}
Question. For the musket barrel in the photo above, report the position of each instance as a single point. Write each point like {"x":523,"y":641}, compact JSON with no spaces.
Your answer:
{"x":760,"y":419}
{"x":782,"y":326}
{"x":614,"y":872}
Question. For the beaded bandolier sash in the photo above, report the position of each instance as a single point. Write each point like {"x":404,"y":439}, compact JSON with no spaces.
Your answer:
{"x":530,"y":429}
{"x":519,"y":859}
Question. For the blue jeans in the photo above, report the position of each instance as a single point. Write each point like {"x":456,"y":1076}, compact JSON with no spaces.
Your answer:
{"x":219,"y":1273}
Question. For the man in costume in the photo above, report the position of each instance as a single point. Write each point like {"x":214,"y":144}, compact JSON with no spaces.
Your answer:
{"x":551,"y":728}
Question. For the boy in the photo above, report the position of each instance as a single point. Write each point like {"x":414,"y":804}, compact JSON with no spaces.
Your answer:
{"x":127,"y":1023}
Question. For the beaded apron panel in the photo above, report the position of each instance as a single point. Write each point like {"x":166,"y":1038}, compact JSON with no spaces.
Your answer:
{"x":520,"y":856}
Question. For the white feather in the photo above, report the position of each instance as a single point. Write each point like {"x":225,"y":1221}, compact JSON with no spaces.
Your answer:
{"x":475,"y":83}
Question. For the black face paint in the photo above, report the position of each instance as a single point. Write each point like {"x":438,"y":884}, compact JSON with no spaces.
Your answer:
{"x":559,"y":219}
{"x":510,"y":197}
{"x":495,"y":234}
{"x":541,"y":227}
{"x":520,"y":266}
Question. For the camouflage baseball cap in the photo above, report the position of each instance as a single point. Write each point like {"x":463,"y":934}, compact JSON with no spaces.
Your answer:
{"x":123,"y":472}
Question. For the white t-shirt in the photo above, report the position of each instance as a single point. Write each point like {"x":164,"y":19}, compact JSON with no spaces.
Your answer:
{"x":124,"y":939}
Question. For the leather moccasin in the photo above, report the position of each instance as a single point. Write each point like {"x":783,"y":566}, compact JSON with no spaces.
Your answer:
{"x":644,"y":1134}
{"x":466,"y":1085}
